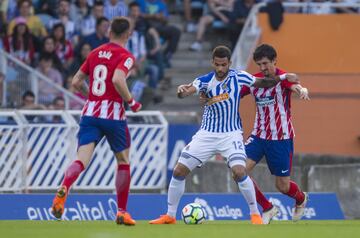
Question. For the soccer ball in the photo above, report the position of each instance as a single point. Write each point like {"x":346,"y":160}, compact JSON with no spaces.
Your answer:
{"x":193,"y":213}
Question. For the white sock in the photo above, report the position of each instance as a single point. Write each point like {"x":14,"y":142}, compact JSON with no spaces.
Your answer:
{"x":247,"y":189}
{"x":176,"y":190}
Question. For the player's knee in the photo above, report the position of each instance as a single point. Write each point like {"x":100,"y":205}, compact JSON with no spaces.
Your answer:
{"x":238,"y":172}
{"x":282,"y":187}
{"x":180,"y":171}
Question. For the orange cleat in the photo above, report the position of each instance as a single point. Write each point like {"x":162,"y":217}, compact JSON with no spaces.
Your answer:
{"x":124,"y":218}
{"x":59,"y":202}
{"x":256,"y":219}
{"x":164,"y":219}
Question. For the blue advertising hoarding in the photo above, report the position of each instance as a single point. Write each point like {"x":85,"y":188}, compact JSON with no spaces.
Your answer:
{"x":150,"y":206}
{"x":179,"y":136}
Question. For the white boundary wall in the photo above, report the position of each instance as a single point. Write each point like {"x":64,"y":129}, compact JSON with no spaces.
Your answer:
{"x":35,"y":151}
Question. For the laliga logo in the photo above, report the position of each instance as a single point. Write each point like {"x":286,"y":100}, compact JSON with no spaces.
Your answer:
{"x":282,"y":215}
{"x":285,"y":212}
{"x":208,"y":211}
{"x":112,"y":209}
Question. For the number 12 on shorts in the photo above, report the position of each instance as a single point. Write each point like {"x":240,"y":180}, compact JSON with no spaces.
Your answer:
{"x":238,"y":145}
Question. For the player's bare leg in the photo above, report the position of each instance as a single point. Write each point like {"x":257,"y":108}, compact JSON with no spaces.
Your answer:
{"x":84,"y":155}
{"x":122,"y":184}
{"x":269,"y":211}
{"x":290,"y":188}
{"x":176,"y":190}
{"x":246,"y":187}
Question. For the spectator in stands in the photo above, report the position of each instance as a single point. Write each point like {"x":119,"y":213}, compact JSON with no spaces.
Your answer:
{"x":57,"y":104}
{"x":190,"y":24}
{"x":33,"y":22}
{"x":155,"y":11}
{"x":64,"y":17}
{"x":219,"y":10}
{"x":63,"y":47}
{"x":3,"y":20}
{"x":79,"y":11}
{"x":88,"y":25}
{"x":47,"y":7}
{"x":142,"y":67}
{"x":28,"y":102}
{"x":80,"y":57}
{"x":100,"y":36}
{"x":115,"y":8}
{"x":10,"y":9}
{"x":48,"y":47}
{"x":153,"y":42}
{"x":47,"y":91}
{"x":20,"y":43}
{"x":238,"y":18}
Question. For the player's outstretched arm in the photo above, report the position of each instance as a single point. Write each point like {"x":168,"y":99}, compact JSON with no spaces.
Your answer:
{"x":302,"y":92}
{"x":119,"y":81}
{"x":185,"y":90}
{"x":78,"y":82}
{"x":268,"y":82}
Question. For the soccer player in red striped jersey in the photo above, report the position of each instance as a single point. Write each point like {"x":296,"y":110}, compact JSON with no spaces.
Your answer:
{"x":104,"y":115}
{"x":273,"y":132}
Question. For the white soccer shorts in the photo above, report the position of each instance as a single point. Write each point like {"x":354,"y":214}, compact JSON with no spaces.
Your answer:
{"x":205,"y":145}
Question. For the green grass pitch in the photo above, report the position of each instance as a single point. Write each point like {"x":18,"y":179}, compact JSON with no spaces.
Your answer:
{"x":218,"y":229}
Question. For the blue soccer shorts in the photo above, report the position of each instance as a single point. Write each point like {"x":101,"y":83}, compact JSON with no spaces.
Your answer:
{"x":278,"y":154}
{"x":93,"y":129}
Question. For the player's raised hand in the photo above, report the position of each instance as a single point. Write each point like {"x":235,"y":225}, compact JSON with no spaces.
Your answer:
{"x":134,"y":105}
{"x":184,"y":90}
{"x":304,"y":94}
{"x":293,"y":78}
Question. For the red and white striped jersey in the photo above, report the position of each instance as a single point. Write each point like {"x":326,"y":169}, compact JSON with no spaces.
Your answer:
{"x":104,"y":101}
{"x":273,"y":116}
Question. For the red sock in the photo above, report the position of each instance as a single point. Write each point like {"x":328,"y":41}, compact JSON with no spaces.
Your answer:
{"x":296,"y":193}
{"x":72,"y":173}
{"x":122,"y":184}
{"x":261,"y":199}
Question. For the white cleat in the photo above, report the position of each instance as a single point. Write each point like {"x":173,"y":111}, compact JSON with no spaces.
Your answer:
{"x":269,"y":215}
{"x":300,"y":209}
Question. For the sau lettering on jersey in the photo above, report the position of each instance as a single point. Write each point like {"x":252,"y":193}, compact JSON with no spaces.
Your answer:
{"x":221,"y":113}
{"x":273,"y":117}
{"x":104,"y":101}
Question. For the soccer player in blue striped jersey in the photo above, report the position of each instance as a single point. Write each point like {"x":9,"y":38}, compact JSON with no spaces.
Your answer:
{"x":220,"y":132}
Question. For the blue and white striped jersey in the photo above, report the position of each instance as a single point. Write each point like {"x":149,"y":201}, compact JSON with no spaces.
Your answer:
{"x":221,"y":112}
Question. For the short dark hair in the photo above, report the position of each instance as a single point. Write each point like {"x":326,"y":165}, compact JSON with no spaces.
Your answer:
{"x":98,"y":3}
{"x":58,"y":98}
{"x":46,"y":56}
{"x":100,"y":20}
{"x":119,"y":26}
{"x":221,"y":51}
{"x":134,"y":4}
{"x":264,"y":51}
{"x":28,"y":93}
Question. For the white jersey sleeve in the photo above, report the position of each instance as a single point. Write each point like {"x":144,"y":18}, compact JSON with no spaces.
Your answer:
{"x":244,"y":78}
{"x":199,"y":85}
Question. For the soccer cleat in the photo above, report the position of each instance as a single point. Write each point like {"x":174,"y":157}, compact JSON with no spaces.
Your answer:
{"x":268,"y":215}
{"x":58,"y":205}
{"x":256,"y":219}
{"x":125,"y":219}
{"x":300,"y":209}
{"x":164,"y":219}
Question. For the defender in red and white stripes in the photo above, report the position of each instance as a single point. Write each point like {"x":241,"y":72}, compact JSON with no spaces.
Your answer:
{"x":273,"y":132}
